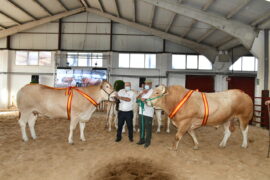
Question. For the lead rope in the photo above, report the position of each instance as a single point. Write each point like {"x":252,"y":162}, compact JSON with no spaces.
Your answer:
{"x":141,"y":104}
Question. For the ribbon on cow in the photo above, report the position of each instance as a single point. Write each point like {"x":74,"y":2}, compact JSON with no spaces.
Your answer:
{"x":185,"y":99}
{"x":206,"y":109}
{"x":181,"y":103}
{"x":69,"y":93}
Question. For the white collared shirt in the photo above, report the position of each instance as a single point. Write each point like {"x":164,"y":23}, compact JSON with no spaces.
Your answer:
{"x":126,"y":105}
{"x":148,"y":110}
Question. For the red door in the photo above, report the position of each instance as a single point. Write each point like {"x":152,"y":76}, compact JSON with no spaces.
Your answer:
{"x":246,"y":84}
{"x":203,"y":83}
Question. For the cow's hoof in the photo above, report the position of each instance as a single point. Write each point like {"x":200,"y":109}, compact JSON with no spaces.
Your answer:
{"x":110,"y":130}
{"x":71,"y":142}
{"x":173,"y":149}
{"x":83,"y":139}
{"x":34,"y":137}
{"x":222,"y":145}
{"x":168,"y":131}
{"x":244,"y":146}
{"x":158,"y":131}
{"x":25,"y":139}
{"x":196,"y":148}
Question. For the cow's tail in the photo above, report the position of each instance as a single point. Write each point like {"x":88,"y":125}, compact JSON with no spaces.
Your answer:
{"x":19,"y":115}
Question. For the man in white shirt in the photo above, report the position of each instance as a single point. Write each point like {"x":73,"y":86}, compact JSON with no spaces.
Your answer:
{"x":146,"y":114}
{"x":125,"y":113}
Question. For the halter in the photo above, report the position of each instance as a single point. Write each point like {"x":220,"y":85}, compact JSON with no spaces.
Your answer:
{"x":109,"y":94}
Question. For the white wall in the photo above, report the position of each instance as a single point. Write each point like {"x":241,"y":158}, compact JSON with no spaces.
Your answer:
{"x":13,"y":77}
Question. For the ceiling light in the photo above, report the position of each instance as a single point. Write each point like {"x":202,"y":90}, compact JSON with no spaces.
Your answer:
{"x":267,"y":0}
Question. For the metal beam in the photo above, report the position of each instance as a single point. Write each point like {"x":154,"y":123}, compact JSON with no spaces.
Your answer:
{"x":116,"y":8}
{"x":260,"y":19}
{"x":11,"y":18}
{"x":60,"y":35}
{"x":134,"y":10}
{"x":84,"y":3}
{"x":189,"y":27}
{"x":22,"y":9}
{"x":206,"y":34}
{"x":170,"y":22}
{"x":233,"y":28}
{"x":2,"y":27}
{"x":43,"y":7}
{"x":223,"y":41}
{"x":265,"y":24}
{"x":63,"y":5}
{"x":210,"y":52}
{"x":207,"y":5}
{"x":152,"y":16}
{"x":30,"y":25}
{"x":194,"y":21}
{"x":100,"y":6}
{"x":229,"y":44}
{"x":237,"y":9}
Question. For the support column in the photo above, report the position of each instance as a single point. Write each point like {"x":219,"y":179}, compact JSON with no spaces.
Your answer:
{"x":266,"y":58}
{"x":4,"y":89}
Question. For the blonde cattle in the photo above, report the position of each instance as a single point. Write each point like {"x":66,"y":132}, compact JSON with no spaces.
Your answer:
{"x":224,"y":107}
{"x":35,"y":99}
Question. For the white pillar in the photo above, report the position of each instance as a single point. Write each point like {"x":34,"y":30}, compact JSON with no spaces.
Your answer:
{"x":4,"y":89}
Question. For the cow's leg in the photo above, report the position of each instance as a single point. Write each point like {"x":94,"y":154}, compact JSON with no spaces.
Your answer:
{"x":244,"y":130}
{"x":115,"y":118}
{"x":227,"y":134}
{"x":31,"y":123}
{"x":82,"y":126}
{"x":168,"y":125}
{"x":22,"y":122}
{"x":110,"y":116}
{"x":182,"y":129}
{"x":73,"y":124}
{"x":196,"y":143}
{"x":158,"y":116}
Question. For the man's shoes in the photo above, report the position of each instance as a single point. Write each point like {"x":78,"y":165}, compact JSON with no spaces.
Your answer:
{"x":146,"y":145}
{"x":117,"y":140}
{"x":140,"y":142}
{"x":131,"y":140}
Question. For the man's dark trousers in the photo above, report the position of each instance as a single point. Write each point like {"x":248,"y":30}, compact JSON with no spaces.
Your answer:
{"x":125,"y":116}
{"x":146,"y":131}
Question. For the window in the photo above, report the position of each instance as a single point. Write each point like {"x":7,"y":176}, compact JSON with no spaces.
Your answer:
{"x":45,"y":58}
{"x":21,"y":58}
{"x":179,"y":61}
{"x":41,"y":58}
{"x":123,"y":60}
{"x":192,"y":62}
{"x":96,"y":59}
{"x":204,"y":63}
{"x":245,"y":63}
{"x":85,"y":59}
{"x":182,"y":61}
{"x":33,"y":58}
{"x":137,"y":61}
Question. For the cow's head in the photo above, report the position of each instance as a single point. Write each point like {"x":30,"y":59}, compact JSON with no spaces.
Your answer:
{"x":107,"y":91}
{"x":158,"y":93}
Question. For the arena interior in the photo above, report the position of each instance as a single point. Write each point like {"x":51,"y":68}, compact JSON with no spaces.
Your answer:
{"x":70,"y":46}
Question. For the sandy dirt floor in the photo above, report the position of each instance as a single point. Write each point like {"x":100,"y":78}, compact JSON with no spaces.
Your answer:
{"x":51,"y":157}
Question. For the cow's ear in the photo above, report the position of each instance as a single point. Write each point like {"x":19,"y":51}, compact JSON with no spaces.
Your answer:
{"x":163,"y":89}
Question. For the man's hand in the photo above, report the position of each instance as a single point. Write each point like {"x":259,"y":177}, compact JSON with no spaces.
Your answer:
{"x":143,"y":99}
